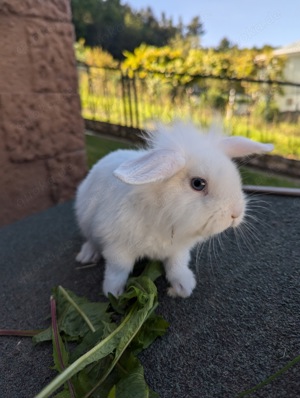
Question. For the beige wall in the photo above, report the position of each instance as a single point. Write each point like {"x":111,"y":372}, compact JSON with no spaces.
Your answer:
{"x":290,"y":100}
{"x":42,"y":156}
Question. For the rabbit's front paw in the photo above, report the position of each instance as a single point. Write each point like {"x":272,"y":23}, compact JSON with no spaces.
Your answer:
{"x":87,"y":254}
{"x":116,"y":289}
{"x":183,"y":285}
{"x":115,"y":278}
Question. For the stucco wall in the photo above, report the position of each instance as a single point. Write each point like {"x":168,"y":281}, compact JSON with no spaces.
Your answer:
{"x":42,"y":156}
{"x":290,"y":100}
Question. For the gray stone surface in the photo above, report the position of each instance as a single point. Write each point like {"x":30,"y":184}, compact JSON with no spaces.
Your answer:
{"x":241,"y":325}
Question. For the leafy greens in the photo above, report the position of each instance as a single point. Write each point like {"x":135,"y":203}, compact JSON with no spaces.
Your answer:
{"x":103,"y":363}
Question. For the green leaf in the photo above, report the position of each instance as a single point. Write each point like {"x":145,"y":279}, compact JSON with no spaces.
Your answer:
{"x":270,"y":378}
{"x":153,"y":270}
{"x":91,"y":315}
{"x":103,"y":363}
{"x":131,"y":326}
{"x":73,"y":325}
{"x":133,"y":384}
{"x":45,"y":335}
{"x":131,"y":381}
{"x":91,"y":339}
{"x":72,"y":315}
{"x":63,"y":353}
{"x":60,"y":354}
{"x":89,"y":376}
{"x":112,"y":393}
{"x":118,"y":340}
{"x":120,"y":304}
{"x":63,"y":394}
{"x":155,"y":326}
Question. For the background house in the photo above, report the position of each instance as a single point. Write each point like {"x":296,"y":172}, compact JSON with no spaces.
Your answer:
{"x":290,"y":100}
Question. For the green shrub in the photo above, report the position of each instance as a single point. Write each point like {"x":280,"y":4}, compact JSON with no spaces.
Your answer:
{"x":266,"y":110}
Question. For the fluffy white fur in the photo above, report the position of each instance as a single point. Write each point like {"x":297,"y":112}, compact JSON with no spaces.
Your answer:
{"x":140,"y":203}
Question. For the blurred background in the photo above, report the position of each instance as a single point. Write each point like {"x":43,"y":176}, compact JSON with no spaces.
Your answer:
{"x":237,"y":62}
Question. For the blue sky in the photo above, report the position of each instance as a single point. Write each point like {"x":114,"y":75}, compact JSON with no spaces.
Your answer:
{"x":246,"y":23}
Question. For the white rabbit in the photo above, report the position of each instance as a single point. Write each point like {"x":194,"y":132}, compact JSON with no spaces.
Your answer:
{"x":160,"y":202}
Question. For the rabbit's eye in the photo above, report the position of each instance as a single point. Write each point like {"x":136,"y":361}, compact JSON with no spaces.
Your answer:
{"x":198,"y":183}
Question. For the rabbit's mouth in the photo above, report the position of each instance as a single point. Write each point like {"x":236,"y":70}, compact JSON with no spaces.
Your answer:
{"x":236,"y":221}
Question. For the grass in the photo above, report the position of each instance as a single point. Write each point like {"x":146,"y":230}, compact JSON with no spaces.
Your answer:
{"x":264,"y":178}
{"x":284,"y":136}
{"x":102,"y":99}
{"x":98,"y":147}
{"x":111,"y":109}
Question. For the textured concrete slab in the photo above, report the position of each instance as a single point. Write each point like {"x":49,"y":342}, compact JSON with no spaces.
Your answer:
{"x":241,"y":324}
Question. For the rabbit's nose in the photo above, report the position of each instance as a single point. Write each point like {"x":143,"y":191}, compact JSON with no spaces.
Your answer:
{"x":236,"y":211}
{"x":236,"y":214}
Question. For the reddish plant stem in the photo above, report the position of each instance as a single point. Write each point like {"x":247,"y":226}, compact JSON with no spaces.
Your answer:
{"x":20,"y":333}
{"x":55,"y":332}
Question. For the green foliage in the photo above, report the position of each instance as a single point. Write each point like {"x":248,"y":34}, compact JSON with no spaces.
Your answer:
{"x":98,"y":22}
{"x":270,"y":378}
{"x":104,"y":362}
{"x":98,"y":147}
{"x":225,"y":45}
{"x":252,"y":176}
{"x":266,"y":110}
{"x":216,"y":99}
{"x":167,"y":88}
{"x":180,"y":57}
{"x":178,"y":64}
{"x":195,"y":27}
{"x":153,"y":59}
{"x":284,"y":136}
{"x":115,"y":26}
{"x":94,"y":56}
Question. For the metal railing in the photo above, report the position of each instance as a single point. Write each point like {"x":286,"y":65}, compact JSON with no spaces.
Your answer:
{"x":108,"y":95}
{"x":247,"y":106}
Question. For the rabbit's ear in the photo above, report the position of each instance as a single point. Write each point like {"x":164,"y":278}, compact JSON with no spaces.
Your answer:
{"x":236,"y":147}
{"x":156,"y":165}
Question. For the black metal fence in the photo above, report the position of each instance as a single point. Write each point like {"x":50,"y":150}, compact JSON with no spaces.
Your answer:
{"x":108,"y":95}
{"x":262,"y":110}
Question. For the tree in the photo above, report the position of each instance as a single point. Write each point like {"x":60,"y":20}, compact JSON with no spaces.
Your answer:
{"x":193,"y":32}
{"x":195,"y":27}
{"x":225,"y":45}
{"x":99,"y":22}
{"x":181,"y":67}
{"x":116,"y":27}
{"x":94,"y":56}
